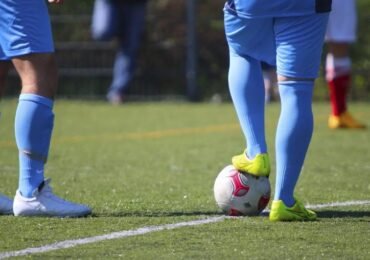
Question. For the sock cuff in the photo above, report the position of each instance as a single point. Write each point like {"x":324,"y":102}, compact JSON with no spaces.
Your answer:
{"x":37,"y":99}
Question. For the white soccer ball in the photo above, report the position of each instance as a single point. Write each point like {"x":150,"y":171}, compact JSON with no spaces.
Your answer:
{"x":239,"y":194}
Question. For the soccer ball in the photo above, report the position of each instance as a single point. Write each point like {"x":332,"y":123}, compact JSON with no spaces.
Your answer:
{"x":239,"y":194}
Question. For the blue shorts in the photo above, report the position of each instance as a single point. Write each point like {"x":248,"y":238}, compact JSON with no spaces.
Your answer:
{"x":293,"y":44}
{"x":24,"y":28}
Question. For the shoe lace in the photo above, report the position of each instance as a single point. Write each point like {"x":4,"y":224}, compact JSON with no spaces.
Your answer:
{"x":301,"y":209}
{"x":48,"y":192}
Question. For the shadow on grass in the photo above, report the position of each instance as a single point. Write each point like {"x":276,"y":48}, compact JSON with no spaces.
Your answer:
{"x":342,"y":214}
{"x":155,"y":214}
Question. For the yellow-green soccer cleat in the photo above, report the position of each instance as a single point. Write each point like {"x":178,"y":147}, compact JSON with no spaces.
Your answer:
{"x":280,"y":212}
{"x":258,"y":166}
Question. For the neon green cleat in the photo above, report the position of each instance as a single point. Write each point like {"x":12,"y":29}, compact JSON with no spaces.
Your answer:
{"x":259,"y":166}
{"x":280,"y":212}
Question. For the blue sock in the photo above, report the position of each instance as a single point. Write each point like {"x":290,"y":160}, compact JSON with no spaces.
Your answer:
{"x":33,"y":127}
{"x":248,"y":95}
{"x":293,"y":136}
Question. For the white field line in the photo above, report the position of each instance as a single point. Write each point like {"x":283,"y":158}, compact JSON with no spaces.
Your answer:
{"x":114,"y":235}
{"x":332,"y":205}
{"x":339,"y":204}
{"x":144,"y":230}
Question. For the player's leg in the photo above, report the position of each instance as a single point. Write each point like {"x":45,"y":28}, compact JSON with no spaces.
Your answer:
{"x":341,"y":32}
{"x":33,"y":129}
{"x":105,"y":26}
{"x":247,"y":92}
{"x":131,"y":24}
{"x":32,"y":55}
{"x":299,"y":44}
{"x":34,"y":117}
{"x":6,"y":204}
{"x":247,"y":88}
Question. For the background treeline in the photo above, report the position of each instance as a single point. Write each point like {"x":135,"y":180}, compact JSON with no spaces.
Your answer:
{"x":85,"y":66}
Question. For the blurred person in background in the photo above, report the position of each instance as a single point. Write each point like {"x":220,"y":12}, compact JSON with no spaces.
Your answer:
{"x":341,"y":33}
{"x":26,"y":40}
{"x":270,"y":82}
{"x":123,"y":20}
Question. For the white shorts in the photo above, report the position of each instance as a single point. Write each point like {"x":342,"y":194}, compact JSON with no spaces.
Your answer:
{"x":342,"y":22}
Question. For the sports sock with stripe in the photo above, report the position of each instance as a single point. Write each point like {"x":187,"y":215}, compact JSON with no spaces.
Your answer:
{"x":33,"y":128}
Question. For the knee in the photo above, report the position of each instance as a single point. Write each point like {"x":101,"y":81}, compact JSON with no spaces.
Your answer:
{"x":101,"y":33}
{"x":38,"y":73}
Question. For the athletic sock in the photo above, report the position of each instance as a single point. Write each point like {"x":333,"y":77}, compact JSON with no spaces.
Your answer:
{"x":338,"y":76}
{"x":248,"y":95}
{"x":33,"y":128}
{"x":338,"y":89}
{"x":293,"y":136}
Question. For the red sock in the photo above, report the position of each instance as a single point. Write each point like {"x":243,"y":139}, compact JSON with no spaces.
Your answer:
{"x":338,"y":89}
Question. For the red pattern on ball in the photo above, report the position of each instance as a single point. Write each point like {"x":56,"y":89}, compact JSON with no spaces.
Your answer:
{"x":264,"y":200}
{"x":240,"y":189}
{"x":235,"y":213}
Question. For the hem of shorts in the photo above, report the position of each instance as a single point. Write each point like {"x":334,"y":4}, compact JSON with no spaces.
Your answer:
{"x":252,"y":16}
{"x":16,"y":53}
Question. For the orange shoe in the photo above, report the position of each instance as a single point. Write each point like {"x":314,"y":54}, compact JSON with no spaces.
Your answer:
{"x":345,"y":120}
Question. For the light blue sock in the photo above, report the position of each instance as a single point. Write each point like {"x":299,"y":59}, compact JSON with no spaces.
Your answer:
{"x":33,"y":128}
{"x":248,"y":95}
{"x":293,"y":136}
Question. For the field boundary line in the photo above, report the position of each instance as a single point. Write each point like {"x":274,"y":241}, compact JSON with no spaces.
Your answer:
{"x":115,"y":235}
{"x":148,"y":135}
{"x":339,"y":204}
{"x":149,"y":229}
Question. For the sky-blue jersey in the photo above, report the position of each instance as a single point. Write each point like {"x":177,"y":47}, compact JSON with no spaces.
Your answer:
{"x":277,"y":8}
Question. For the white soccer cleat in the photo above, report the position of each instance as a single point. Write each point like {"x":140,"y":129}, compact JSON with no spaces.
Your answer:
{"x":6,"y":205}
{"x":46,"y":203}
